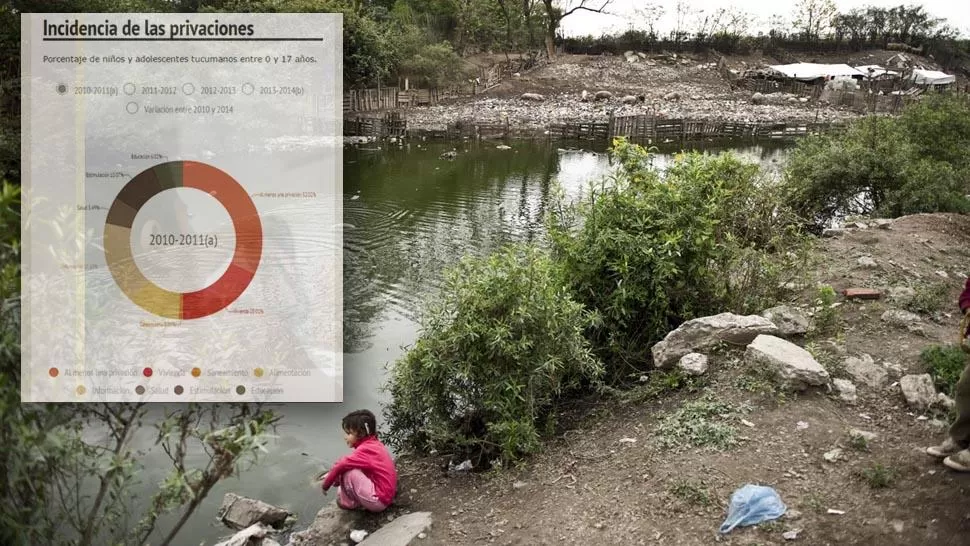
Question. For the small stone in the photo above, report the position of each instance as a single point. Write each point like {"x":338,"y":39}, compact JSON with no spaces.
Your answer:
{"x":919,"y":390}
{"x":793,"y":515}
{"x":801,"y":425}
{"x":901,"y":293}
{"x":519,"y":485}
{"x":867,"y":262}
{"x":358,"y":535}
{"x":835,"y":512}
{"x":895,"y":370}
{"x":847,"y":391}
{"x":898,"y":526}
{"x":413,"y":491}
{"x":789,"y":320}
{"x":598,"y":525}
{"x":942,"y":274}
{"x":856,"y":433}
{"x":693,"y":364}
{"x":864,"y":370}
{"x":897,"y":317}
{"x":747,"y":423}
{"x":422,"y":536}
{"x":883,"y":223}
{"x":791,"y":535}
{"x":945,"y":401}
{"x":833,"y":232}
{"x":833,"y":455}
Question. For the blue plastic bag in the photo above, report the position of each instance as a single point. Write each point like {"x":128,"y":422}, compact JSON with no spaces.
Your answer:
{"x":753,"y":504}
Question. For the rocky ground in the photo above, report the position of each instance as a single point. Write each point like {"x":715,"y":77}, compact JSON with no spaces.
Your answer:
{"x":674,"y":87}
{"x":616,"y":474}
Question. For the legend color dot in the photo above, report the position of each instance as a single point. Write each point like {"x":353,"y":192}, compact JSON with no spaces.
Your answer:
{"x":240,"y":390}
{"x":196,"y":372}
{"x":140,"y":390}
{"x":179,"y":389}
{"x":258,"y":372}
{"x":53,"y":372}
{"x":147,"y":372}
{"x":81,"y":390}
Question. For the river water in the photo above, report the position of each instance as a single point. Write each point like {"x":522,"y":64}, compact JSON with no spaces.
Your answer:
{"x":410,"y":215}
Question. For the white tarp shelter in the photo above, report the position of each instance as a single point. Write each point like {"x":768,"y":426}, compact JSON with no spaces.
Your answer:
{"x":932,"y":77}
{"x":812,"y":71}
{"x":877,"y":71}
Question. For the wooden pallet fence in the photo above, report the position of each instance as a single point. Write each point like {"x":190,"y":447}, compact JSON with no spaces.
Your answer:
{"x":391,"y":124}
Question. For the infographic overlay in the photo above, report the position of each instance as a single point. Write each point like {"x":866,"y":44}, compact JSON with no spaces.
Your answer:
{"x":182,"y":208}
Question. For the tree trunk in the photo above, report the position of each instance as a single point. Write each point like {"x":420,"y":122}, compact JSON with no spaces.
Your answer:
{"x":551,"y":39}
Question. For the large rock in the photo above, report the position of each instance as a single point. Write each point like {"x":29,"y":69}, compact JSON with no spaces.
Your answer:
{"x":789,"y":320}
{"x":331,"y":526}
{"x":864,"y":370}
{"x":241,"y":512}
{"x":918,"y":390}
{"x":254,"y":535}
{"x":704,"y":332}
{"x":401,"y":531}
{"x":793,"y":366}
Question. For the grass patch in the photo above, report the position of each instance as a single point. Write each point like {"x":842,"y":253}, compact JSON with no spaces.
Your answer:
{"x":859,"y":443}
{"x":705,"y":422}
{"x":662,"y":382}
{"x":691,"y":492}
{"x":828,"y":357}
{"x":760,"y":381}
{"x":929,"y":298}
{"x":816,"y":503}
{"x":825,"y":319}
{"x":945,"y":363}
{"x":878,"y":476}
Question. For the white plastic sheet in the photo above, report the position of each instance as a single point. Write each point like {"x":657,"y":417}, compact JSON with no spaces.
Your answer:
{"x":932,"y":77}
{"x":811,"y":71}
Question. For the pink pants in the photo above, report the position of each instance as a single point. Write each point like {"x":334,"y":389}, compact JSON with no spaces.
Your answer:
{"x":357,"y":491}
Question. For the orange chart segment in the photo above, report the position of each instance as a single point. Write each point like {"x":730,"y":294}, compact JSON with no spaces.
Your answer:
{"x":150,"y":296}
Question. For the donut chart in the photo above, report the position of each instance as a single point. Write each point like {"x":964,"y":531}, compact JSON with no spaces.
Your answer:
{"x":145,"y":293}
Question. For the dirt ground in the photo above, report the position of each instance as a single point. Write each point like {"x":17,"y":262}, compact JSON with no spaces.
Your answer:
{"x":609,"y":478}
{"x":702,"y":94}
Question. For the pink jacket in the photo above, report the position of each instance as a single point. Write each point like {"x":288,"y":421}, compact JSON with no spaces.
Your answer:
{"x":374,"y":460}
{"x":965,"y":297}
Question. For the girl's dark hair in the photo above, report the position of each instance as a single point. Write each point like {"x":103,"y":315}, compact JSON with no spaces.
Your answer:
{"x":361,"y":422}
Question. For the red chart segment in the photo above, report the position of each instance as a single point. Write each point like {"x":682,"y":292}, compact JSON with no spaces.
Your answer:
{"x":246,"y":224}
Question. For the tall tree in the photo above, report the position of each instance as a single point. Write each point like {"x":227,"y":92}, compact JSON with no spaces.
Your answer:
{"x":813,"y":17}
{"x":555,"y":15}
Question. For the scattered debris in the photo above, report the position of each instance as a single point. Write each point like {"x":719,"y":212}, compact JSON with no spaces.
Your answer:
{"x":861,"y":294}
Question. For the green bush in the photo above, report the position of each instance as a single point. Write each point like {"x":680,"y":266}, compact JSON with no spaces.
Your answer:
{"x":945,"y":363}
{"x":646,"y":253}
{"x":500,"y":346}
{"x":885,"y":166}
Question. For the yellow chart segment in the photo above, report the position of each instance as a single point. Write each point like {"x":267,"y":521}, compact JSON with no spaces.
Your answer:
{"x":143,"y":292}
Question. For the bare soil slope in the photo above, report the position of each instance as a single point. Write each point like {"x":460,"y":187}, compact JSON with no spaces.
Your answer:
{"x":611,"y":479}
